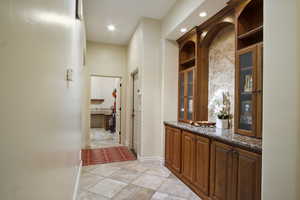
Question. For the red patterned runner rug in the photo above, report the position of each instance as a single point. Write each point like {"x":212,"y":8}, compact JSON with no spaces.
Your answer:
{"x":106,"y":155}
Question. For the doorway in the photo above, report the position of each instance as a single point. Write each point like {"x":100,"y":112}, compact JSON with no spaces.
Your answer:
{"x":105,"y":109}
{"x":136,"y":113}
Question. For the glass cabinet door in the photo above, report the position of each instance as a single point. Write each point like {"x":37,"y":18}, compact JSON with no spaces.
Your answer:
{"x":186,"y":95}
{"x":181,"y":96}
{"x":246,"y":88}
{"x":190,"y":95}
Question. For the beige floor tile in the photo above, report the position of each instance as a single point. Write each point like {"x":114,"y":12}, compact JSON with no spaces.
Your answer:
{"x":133,"y":192}
{"x":125,"y":175}
{"x":164,"y":196}
{"x":149,"y":181}
{"x":100,"y":138}
{"x":136,"y":166}
{"x":104,"y":170}
{"x":194,"y":197}
{"x":88,"y":168}
{"x":87,"y":180}
{"x":173,"y":186}
{"x":107,"y":187}
{"x":85,"y":195}
{"x":172,"y":176}
{"x":159,"y":171}
{"x":123,"y":164}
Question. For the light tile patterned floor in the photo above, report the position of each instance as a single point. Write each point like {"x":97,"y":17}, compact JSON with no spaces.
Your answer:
{"x":100,"y":138}
{"x":132,"y":180}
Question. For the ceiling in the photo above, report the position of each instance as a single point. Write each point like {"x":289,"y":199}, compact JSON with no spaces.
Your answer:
{"x":124,"y":14}
{"x":211,"y":7}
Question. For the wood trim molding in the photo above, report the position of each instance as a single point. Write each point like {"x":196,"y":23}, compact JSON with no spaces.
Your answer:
{"x":225,"y":12}
{"x":187,"y":36}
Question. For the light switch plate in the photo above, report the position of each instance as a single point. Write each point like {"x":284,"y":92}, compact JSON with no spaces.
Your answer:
{"x":69,"y":74}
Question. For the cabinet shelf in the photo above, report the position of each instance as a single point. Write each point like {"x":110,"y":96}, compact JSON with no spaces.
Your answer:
{"x":246,"y":93}
{"x":251,"y":32}
{"x":246,"y":68}
{"x":187,"y":61}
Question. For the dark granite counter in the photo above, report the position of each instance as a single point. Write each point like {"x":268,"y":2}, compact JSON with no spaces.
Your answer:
{"x":222,"y":135}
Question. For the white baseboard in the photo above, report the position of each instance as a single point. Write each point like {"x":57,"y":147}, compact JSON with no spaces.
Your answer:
{"x":151,"y":158}
{"x":77,"y":181}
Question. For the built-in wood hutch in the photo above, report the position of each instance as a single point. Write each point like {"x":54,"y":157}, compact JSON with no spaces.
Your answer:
{"x":247,"y":18}
{"x":249,"y":68}
{"x":220,"y":166}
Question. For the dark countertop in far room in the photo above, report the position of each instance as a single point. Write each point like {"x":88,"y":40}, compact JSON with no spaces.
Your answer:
{"x":222,"y":135}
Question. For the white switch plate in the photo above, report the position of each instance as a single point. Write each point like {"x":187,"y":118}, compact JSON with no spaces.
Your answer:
{"x":69,"y":74}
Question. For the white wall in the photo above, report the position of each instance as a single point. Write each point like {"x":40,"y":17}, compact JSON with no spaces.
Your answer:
{"x":134,"y":64}
{"x":169,"y":90}
{"x":151,"y":89}
{"x":102,"y":88}
{"x":40,"y":121}
{"x":105,"y":60}
{"x":170,"y":52}
{"x":144,"y":55}
{"x":281,"y":127}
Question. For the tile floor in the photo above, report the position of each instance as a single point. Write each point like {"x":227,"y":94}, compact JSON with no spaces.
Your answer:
{"x":132,"y":180}
{"x":100,"y":138}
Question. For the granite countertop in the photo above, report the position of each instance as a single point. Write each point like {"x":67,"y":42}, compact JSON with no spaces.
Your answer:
{"x":223,"y":135}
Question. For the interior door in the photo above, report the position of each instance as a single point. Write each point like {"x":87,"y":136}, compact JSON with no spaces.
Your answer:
{"x":136,"y":114}
{"x":118,"y":108}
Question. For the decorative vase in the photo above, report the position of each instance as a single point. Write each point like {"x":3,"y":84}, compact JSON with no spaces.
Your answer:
{"x":222,"y":123}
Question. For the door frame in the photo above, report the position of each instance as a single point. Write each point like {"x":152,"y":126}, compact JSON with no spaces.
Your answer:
{"x":133,"y":74}
{"x":121,"y":109}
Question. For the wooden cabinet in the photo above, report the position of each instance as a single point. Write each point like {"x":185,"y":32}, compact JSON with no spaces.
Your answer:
{"x":202,"y":160}
{"x":186,"y":83}
{"x":195,"y":161}
{"x":248,"y":175}
{"x":221,"y":172}
{"x":176,"y":161}
{"x":249,"y":56}
{"x":193,"y":84}
{"x":214,"y":170}
{"x":173,"y":149}
{"x":235,"y":173}
{"x":168,"y":146}
{"x":188,"y":155}
{"x":249,"y":23}
{"x":249,"y":91}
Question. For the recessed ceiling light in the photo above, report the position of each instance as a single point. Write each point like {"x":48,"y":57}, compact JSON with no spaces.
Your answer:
{"x":203,"y":14}
{"x":183,"y":30}
{"x":111,"y":27}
